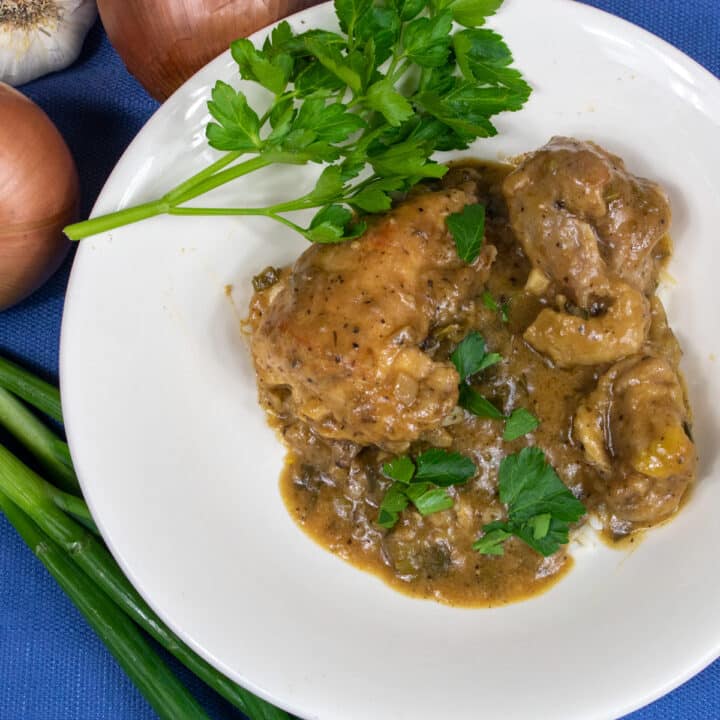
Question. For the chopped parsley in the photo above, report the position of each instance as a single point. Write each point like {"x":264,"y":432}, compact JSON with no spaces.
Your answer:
{"x":468,"y":229}
{"x":491,"y":304}
{"x":520,"y":422}
{"x":540,"y":506}
{"x":471,"y":357}
{"x":422,"y":483}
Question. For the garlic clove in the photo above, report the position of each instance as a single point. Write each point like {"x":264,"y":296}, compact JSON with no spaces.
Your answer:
{"x":41,"y":36}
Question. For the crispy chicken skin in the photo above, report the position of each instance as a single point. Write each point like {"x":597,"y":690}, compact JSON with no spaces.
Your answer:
{"x":341,"y":333}
{"x":593,"y":230}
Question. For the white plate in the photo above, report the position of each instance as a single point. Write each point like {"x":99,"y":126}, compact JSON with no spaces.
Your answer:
{"x":181,"y":471}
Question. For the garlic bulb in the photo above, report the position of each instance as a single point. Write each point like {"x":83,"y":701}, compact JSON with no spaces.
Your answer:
{"x":40,"y":36}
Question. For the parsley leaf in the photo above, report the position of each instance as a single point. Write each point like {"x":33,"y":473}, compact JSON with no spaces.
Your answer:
{"x":316,"y":79}
{"x":383,"y":97}
{"x":469,"y":12}
{"x":334,"y":61}
{"x":443,"y":468}
{"x":472,"y":401}
{"x":556,"y":533}
{"x":427,"y":40}
{"x":460,"y":116}
{"x":238,"y":126}
{"x":394,"y":502}
{"x":408,"y":158}
{"x":493,"y":540}
{"x":491,"y":304}
{"x":333,"y":224}
{"x":431,"y":500}
{"x":471,"y":355}
{"x":314,"y":131}
{"x":520,"y":422}
{"x":401,"y":469}
{"x":382,"y":26}
{"x":375,"y":196}
{"x":349,"y":12}
{"x":484,"y":59}
{"x":330,"y":185}
{"x":331,"y":123}
{"x":408,"y":9}
{"x":468,"y":228}
{"x":540,"y":506}
{"x":530,"y":486}
{"x":272,"y":73}
{"x":422,"y":483}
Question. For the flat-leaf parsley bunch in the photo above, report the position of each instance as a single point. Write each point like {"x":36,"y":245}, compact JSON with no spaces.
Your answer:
{"x":373,"y":103}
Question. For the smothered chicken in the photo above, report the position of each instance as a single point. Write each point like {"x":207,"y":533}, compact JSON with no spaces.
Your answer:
{"x":353,"y":348}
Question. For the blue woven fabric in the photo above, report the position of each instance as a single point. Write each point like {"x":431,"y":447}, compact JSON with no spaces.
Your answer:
{"x":52,"y":667}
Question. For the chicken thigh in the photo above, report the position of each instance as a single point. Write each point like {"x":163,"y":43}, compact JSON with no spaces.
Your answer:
{"x":592,"y":230}
{"x":634,"y":429}
{"x":341,"y":333}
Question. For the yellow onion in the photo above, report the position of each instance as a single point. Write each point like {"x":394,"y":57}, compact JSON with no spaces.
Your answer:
{"x":38,"y":196}
{"x":164,"y":42}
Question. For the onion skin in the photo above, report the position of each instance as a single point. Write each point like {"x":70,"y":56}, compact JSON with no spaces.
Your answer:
{"x":38,"y":196}
{"x":165,"y":42}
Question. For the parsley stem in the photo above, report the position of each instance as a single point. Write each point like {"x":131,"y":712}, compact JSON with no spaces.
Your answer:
{"x":103,"y":223}
{"x":217,"y":179}
{"x":202,"y":183}
{"x":359,"y":187}
{"x":399,"y":72}
{"x":269,"y":212}
{"x":287,"y":223}
{"x":217,"y":211}
{"x":218,"y":165}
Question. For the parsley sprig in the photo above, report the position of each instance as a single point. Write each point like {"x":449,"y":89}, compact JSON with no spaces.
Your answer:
{"x":540,"y":506}
{"x":372,"y":102}
{"x":422,"y":483}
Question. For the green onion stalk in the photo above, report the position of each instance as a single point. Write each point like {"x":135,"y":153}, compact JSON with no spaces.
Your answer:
{"x":168,"y":697}
{"x":58,"y":526}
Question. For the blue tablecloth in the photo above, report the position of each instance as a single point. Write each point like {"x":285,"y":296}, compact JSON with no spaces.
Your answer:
{"x":52,"y":667}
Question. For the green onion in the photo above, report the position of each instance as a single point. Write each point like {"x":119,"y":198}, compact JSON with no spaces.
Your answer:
{"x":34,"y":496}
{"x":50,"y":451}
{"x":47,"y":506}
{"x":40,"y":394}
{"x":160,"y":687}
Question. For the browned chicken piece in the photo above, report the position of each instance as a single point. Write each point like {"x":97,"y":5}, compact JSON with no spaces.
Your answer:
{"x":661,"y":340}
{"x":617,"y":332}
{"x":342,"y":332}
{"x":581,"y":217}
{"x":634,"y":428}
